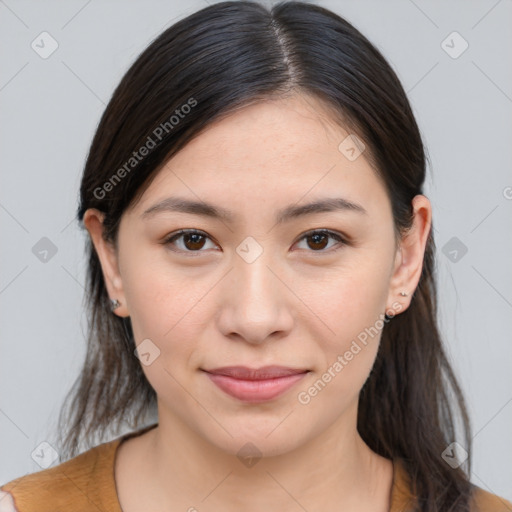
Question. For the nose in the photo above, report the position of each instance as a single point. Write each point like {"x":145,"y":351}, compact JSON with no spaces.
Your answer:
{"x":256,"y":304}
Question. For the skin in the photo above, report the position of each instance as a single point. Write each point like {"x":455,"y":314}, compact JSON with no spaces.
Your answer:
{"x":298,"y":304}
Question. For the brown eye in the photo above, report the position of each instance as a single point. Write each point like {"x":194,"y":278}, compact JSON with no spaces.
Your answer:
{"x":317,"y":241}
{"x":191,"y":240}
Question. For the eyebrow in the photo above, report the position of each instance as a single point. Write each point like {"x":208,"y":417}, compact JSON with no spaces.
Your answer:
{"x":182,"y":205}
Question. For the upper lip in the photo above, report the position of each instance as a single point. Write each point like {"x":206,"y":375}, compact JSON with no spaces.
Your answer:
{"x":265,"y":372}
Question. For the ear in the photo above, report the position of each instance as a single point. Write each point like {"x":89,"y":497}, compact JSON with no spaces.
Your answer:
{"x":107,"y":254}
{"x":409,"y":257}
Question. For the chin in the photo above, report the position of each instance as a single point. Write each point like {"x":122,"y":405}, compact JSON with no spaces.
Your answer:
{"x":257,"y":447}
{"x":255,"y":440}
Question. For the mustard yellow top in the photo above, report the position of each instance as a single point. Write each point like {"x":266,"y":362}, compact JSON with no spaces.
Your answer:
{"x":86,"y":483}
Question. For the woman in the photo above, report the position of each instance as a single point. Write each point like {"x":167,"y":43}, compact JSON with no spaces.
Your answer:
{"x":261,"y":278}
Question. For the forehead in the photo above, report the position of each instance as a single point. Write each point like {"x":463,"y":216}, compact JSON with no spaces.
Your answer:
{"x":270,"y":131}
{"x":270,"y":153}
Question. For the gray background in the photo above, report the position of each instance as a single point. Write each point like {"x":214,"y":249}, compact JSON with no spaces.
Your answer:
{"x":50,"y":108}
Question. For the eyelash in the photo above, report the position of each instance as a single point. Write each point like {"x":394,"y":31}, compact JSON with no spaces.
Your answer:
{"x":336,"y":236}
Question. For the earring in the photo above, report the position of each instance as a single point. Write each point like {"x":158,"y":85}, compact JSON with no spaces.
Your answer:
{"x":114,"y":304}
{"x":403,"y":294}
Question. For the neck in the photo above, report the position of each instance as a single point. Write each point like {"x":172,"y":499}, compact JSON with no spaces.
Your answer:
{"x":336,"y":469}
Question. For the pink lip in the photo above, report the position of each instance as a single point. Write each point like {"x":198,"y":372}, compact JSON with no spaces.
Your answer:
{"x":255,"y":385}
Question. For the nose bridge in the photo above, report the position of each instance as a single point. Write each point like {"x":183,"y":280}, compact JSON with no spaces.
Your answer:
{"x":255,"y":304}
{"x":256,"y":278}
{"x":256,"y":286}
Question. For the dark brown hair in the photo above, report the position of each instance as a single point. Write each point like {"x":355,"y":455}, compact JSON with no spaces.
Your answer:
{"x":204,"y":67}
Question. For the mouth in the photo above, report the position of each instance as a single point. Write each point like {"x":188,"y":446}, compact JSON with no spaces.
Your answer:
{"x":255,"y":385}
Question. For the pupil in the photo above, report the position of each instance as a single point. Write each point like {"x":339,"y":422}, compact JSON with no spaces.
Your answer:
{"x":316,"y":237}
{"x":192,"y":237}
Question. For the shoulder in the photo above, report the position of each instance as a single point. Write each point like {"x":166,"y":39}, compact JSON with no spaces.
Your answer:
{"x":484,"y":501}
{"x":81,"y":481}
{"x":403,"y":499}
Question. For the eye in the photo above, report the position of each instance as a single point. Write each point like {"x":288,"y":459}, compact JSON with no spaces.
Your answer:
{"x":319,"y":239}
{"x":193,"y":240}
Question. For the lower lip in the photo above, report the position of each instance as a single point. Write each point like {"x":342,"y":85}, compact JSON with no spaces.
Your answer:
{"x":255,"y":390}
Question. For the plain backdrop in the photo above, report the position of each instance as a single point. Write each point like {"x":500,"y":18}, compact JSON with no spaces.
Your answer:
{"x":460,"y":87}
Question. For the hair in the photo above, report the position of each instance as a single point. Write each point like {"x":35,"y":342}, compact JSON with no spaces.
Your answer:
{"x":203,"y":68}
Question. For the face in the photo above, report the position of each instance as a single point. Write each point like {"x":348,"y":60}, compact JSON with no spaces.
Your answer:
{"x":271,"y":283}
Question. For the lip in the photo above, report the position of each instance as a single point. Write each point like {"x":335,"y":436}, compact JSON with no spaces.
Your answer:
{"x":255,"y":384}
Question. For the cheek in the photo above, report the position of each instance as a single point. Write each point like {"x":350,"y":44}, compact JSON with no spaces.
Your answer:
{"x":354,"y":313}
{"x":350,"y":302}
{"x":165,"y":307}
{"x":159,"y":293}
{"x":349,"y":299}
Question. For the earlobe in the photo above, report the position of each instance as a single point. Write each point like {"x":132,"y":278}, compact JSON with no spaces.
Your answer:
{"x":410,"y":254}
{"x":107,"y":254}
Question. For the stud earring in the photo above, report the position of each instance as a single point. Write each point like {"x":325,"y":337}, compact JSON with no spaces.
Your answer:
{"x":114,"y":304}
{"x":403,"y":294}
